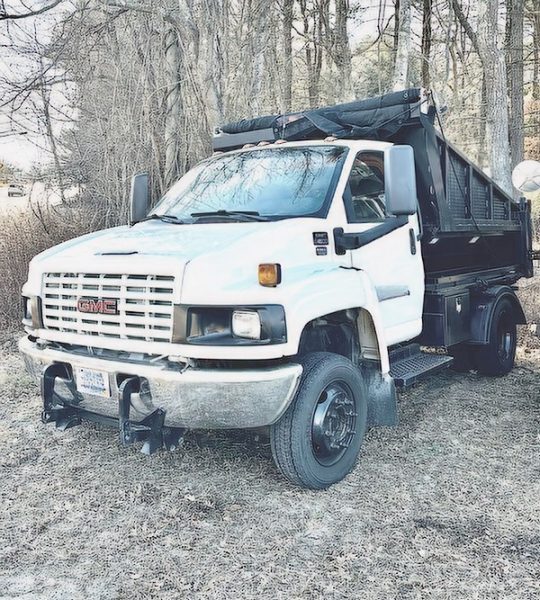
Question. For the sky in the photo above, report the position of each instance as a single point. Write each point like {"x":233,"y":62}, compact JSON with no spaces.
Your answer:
{"x":18,"y":150}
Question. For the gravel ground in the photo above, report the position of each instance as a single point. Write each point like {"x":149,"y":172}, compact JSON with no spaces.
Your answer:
{"x":446,"y":505}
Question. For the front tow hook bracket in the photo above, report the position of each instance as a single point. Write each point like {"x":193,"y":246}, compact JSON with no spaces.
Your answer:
{"x":150,"y":430}
{"x":54,"y":411}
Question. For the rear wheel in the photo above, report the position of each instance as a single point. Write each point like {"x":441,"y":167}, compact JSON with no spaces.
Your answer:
{"x":497,"y":356}
{"x":317,"y":441}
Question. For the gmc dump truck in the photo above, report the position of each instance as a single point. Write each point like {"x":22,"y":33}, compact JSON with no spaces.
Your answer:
{"x":292,"y":281}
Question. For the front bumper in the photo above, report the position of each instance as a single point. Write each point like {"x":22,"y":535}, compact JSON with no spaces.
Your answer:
{"x":190,"y":398}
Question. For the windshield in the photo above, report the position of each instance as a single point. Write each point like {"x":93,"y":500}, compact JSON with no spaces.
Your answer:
{"x":270,"y":182}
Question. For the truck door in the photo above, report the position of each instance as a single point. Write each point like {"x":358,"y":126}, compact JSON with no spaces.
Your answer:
{"x":392,"y":262}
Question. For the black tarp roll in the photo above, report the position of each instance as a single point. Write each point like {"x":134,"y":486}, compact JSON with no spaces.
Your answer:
{"x":376,"y":118}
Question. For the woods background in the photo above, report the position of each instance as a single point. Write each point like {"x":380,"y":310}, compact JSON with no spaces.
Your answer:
{"x":111,"y":87}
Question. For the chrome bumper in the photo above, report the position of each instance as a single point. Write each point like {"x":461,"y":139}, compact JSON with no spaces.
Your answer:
{"x":191,"y":398}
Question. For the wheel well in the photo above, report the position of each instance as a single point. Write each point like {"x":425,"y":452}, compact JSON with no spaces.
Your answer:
{"x":350,"y":333}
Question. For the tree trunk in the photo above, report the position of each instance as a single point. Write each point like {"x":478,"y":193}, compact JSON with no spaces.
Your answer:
{"x":396,"y":32}
{"x":287,"y":23}
{"x":342,"y":50}
{"x":533,"y":16}
{"x":173,"y":105}
{"x":401,"y":68}
{"x":496,"y":92}
{"x":213,"y":67}
{"x":311,"y":56}
{"x":481,"y":158}
{"x":514,"y":75}
{"x":46,"y":100}
{"x":260,"y":38}
{"x":426,"y":41}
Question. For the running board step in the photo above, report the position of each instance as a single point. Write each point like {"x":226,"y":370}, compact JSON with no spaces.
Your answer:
{"x":409,"y":365}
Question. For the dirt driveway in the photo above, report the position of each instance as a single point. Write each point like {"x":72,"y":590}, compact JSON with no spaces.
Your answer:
{"x":444,"y":506}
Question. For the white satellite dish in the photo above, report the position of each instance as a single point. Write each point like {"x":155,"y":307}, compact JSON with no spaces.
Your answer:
{"x":526,"y":176}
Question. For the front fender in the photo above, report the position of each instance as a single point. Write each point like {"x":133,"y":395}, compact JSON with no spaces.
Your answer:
{"x":332,"y":291}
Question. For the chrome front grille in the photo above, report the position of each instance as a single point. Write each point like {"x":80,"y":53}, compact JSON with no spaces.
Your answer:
{"x":144,"y":305}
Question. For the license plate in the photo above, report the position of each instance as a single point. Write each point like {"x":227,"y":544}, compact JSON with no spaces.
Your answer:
{"x":93,"y":382}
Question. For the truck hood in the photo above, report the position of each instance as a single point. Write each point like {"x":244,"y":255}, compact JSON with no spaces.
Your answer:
{"x":186,"y":242}
{"x":154,"y":238}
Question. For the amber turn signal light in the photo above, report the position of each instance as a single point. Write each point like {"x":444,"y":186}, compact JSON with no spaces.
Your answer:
{"x":270,"y":274}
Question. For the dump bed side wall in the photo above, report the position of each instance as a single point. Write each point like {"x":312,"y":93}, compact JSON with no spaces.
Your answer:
{"x":470,"y":224}
{"x":473,"y":199}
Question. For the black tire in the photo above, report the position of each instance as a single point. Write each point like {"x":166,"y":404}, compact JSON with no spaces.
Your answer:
{"x":463,"y":358}
{"x":329,"y":409}
{"x":497,"y":356}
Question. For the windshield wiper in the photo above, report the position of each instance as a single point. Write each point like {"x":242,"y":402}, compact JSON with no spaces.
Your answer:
{"x":164,"y":218}
{"x":251,"y":215}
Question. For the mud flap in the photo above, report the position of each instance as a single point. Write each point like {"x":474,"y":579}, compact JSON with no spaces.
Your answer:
{"x":382,"y":398}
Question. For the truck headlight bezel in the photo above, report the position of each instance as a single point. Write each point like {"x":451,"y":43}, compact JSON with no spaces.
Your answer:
{"x":31,"y":310}
{"x":213,"y":325}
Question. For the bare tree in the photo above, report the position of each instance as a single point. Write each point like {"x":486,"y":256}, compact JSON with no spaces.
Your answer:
{"x":492,"y":59}
{"x":341,"y":51}
{"x":532,"y":13}
{"x":287,"y":79}
{"x":427,"y":8}
{"x":514,"y":73}
{"x":173,"y":105}
{"x":403,"y":50}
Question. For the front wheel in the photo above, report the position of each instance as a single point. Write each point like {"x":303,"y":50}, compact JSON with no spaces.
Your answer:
{"x":317,"y":441}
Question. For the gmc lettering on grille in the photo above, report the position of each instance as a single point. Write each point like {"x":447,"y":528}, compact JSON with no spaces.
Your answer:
{"x":102,"y":306}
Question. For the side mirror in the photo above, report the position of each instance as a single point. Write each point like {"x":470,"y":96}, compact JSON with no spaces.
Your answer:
{"x":140,"y":198}
{"x":400,"y":181}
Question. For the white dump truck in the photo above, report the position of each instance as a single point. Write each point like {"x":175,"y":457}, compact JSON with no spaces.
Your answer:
{"x":290,"y":282}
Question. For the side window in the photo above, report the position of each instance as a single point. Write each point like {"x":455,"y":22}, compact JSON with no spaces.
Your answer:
{"x":364,"y":194}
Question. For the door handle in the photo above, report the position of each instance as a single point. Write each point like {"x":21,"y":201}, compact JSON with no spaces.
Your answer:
{"x":412,"y":240}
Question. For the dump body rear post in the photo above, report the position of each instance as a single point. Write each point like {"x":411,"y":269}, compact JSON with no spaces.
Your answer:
{"x":292,"y":281}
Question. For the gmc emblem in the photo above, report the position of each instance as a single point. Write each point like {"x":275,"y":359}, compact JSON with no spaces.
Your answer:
{"x":102,"y":306}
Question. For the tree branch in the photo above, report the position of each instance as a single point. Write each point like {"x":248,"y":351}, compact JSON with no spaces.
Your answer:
{"x":39,"y":11}
{"x":464,"y":22}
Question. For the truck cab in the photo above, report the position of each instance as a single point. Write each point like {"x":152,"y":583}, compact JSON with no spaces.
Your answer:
{"x":280,"y":284}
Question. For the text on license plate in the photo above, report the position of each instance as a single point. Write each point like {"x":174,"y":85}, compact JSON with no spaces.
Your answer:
{"x":93,"y":382}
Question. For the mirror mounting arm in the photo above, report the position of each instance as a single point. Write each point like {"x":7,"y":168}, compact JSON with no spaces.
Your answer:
{"x":352,"y":241}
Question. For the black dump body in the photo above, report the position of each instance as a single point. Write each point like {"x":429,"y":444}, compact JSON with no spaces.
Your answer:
{"x":470,"y":225}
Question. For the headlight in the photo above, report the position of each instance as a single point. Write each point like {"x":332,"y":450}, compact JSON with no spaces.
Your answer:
{"x":246,"y":324}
